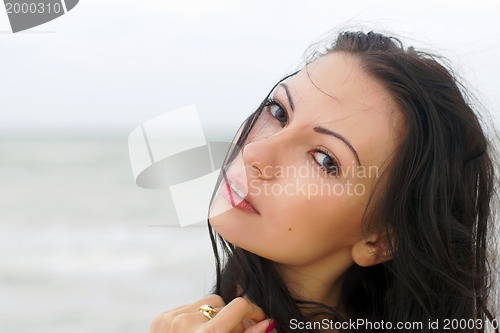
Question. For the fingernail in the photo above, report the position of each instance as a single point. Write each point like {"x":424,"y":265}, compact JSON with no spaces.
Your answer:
{"x":271,"y":327}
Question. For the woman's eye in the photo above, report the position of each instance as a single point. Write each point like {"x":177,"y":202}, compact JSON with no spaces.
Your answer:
{"x":278,"y":113}
{"x":326,"y":162}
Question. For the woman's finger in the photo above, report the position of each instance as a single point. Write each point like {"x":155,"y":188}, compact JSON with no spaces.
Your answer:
{"x":233,"y":315}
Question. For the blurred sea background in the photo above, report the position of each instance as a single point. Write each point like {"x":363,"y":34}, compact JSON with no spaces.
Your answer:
{"x":83,"y":248}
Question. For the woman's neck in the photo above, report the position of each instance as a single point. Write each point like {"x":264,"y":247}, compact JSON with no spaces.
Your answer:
{"x":320,"y":281}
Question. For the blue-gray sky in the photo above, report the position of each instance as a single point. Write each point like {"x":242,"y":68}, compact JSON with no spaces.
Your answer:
{"x":111,"y":65}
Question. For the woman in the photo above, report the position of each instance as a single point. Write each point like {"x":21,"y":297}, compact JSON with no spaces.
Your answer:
{"x":356,"y":198}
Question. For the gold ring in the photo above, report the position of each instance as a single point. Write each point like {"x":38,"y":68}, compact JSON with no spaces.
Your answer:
{"x":207,"y":311}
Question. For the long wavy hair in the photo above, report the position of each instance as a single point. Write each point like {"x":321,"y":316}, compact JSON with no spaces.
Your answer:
{"x":436,"y":204}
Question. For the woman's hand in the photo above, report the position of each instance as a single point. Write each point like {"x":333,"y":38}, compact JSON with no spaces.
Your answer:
{"x":239,"y":316}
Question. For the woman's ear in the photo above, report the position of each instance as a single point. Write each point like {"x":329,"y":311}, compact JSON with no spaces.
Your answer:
{"x":372,"y":250}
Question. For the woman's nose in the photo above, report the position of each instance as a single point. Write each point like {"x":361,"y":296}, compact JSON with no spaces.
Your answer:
{"x":262,"y":157}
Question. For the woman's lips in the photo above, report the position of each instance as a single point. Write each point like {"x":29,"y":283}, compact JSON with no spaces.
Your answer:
{"x":229,"y":191}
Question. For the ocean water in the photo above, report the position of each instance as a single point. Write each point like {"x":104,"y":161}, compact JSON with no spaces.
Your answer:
{"x":82,"y":248}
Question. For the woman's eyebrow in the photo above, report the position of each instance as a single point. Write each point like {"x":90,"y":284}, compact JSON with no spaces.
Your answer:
{"x":288,"y":95}
{"x":326,"y":131}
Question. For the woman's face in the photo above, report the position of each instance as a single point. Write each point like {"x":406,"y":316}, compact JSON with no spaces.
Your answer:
{"x":309,"y":165}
